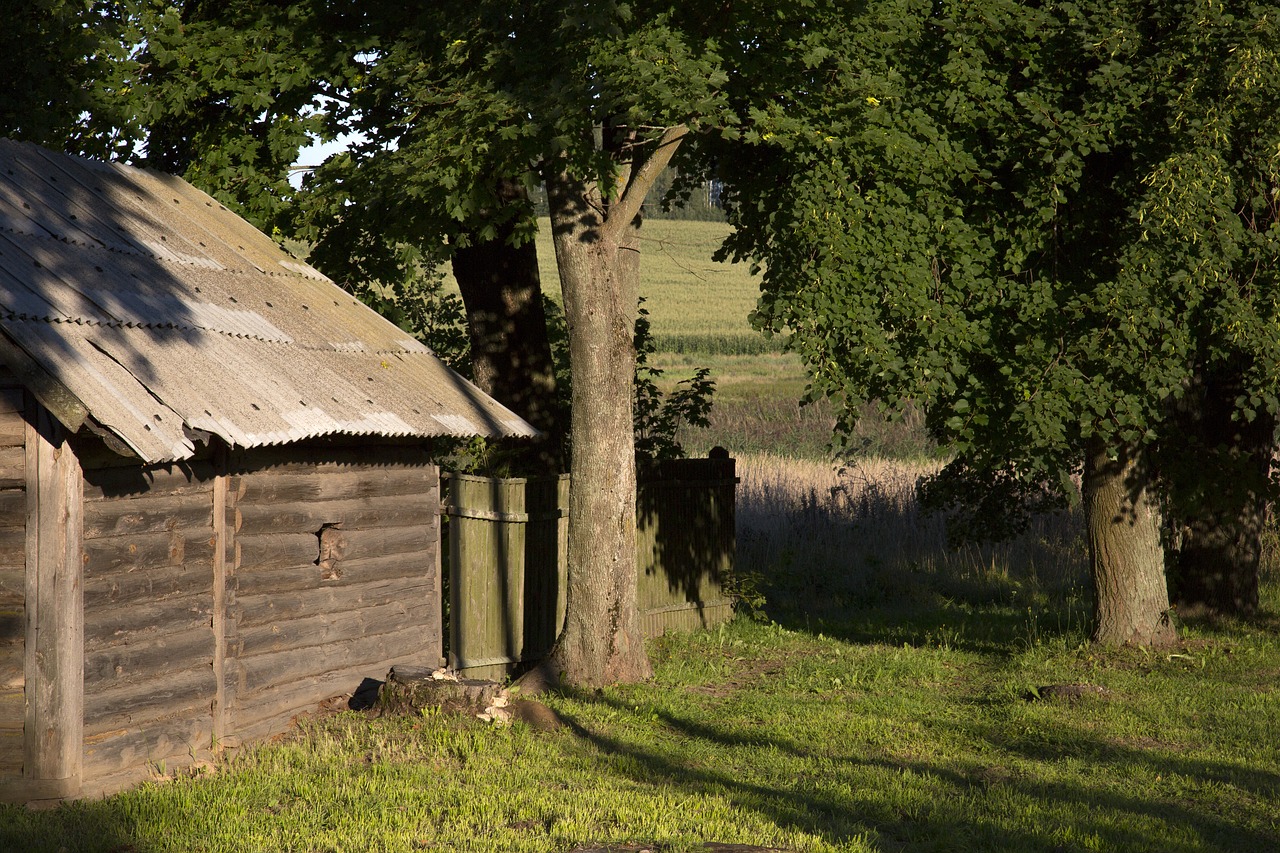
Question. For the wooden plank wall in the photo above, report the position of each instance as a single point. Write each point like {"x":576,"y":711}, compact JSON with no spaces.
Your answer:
{"x":336,"y":577}
{"x":221,"y":597}
{"x":13,"y":537}
{"x":149,"y":682}
{"x":508,"y":548}
{"x":685,"y":544}
{"x":507,"y":541}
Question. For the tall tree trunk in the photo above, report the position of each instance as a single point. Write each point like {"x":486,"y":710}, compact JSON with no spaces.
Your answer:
{"x":1219,"y":480}
{"x":598,"y":254}
{"x":510,"y":353}
{"x":1131,"y":598}
{"x":601,"y":642}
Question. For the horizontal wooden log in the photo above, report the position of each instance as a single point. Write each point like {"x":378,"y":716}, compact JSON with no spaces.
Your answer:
{"x":13,"y":429}
{"x":360,"y":453}
{"x":125,"y":553}
{"x":13,"y":547}
{"x":327,"y":484}
{"x":13,"y":633}
{"x":380,"y":511}
{"x":149,"y":514}
{"x":186,"y":693}
{"x":254,"y":610}
{"x":271,"y":552}
{"x":113,"y":750}
{"x":147,"y":585}
{"x":13,"y":590}
{"x":12,"y":743}
{"x":325,"y":628}
{"x":141,"y":660}
{"x":13,"y":467}
{"x":272,"y":711}
{"x":373,"y":655}
{"x":303,"y":549}
{"x":13,"y":705}
{"x":12,"y":670}
{"x":13,"y":508}
{"x":128,"y":478}
{"x":420,"y":566}
{"x":108,"y":626}
{"x":101,"y":785}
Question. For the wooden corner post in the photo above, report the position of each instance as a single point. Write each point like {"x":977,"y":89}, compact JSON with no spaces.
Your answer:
{"x":54,"y":725}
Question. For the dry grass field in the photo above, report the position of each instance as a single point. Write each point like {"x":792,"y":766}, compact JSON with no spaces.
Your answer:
{"x":818,"y":542}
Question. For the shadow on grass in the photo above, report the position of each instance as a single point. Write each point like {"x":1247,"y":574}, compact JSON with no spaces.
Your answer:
{"x":90,"y":826}
{"x":953,"y":807}
{"x":994,"y":631}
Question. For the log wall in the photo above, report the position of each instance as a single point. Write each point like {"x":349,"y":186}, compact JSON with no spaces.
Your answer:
{"x":335,"y":568}
{"x":13,"y":535}
{"x":149,"y":685}
{"x":225,"y":596}
{"x":219,"y":598}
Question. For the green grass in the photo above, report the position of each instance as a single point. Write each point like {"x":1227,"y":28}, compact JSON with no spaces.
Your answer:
{"x":694,"y":303}
{"x":765,"y":734}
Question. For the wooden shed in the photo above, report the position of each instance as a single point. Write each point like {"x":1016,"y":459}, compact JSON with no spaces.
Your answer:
{"x":218,"y":506}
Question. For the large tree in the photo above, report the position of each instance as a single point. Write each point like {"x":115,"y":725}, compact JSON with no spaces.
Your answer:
{"x":463,"y":110}
{"x":1042,"y":221}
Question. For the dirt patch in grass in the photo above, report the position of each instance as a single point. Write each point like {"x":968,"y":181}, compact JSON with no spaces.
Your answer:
{"x":749,"y":676}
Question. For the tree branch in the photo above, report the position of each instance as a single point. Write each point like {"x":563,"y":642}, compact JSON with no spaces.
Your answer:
{"x":642,"y":180}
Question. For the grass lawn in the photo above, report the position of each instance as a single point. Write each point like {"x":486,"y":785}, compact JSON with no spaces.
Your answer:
{"x":850,"y":740}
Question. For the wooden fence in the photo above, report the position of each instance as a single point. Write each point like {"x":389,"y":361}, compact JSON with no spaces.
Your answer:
{"x":507,"y":547}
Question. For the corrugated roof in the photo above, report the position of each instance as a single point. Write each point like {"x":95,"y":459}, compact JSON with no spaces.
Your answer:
{"x":167,"y":316}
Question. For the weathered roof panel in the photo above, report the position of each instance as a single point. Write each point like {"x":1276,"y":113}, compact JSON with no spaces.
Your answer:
{"x":168,"y":316}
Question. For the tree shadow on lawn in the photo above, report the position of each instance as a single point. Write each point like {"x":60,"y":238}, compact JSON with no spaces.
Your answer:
{"x":959,"y":806}
{"x":998,"y":631}
{"x":85,"y":826}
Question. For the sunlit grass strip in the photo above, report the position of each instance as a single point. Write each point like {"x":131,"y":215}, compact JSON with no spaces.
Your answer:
{"x":716,"y":343}
{"x":762,"y":734}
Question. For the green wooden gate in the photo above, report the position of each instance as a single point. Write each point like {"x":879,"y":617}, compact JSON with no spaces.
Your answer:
{"x":507,"y":547}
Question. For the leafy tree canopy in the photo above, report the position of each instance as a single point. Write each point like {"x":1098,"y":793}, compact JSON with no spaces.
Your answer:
{"x":1036,"y":219}
{"x":63,"y":65}
{"x":454,"y":95}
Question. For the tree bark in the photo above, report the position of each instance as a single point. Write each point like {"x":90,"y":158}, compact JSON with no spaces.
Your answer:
{"x":598,"y":254}
{"x":601,"y":642}
{"x":510,"y":354}
{"x":1219,"y":480}
{"x":1131,"y":599}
